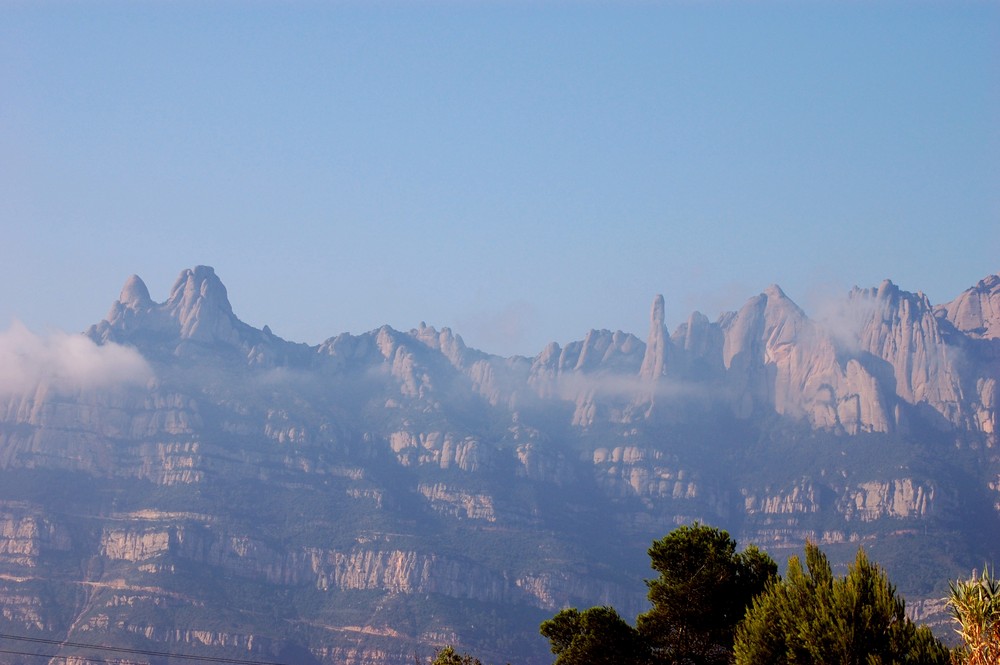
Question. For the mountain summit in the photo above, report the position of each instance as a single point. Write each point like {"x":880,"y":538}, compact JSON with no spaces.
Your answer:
{"x":198,"y":309}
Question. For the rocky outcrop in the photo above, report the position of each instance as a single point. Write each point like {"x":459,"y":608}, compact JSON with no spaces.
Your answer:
{"x":195,"y":315}
{"x":358,"y":569}
{"x":872,"y":500}
{"x":24,"y":537}
{"x":198,"y":309}
{"x":540,"y":463}
{"x":654,"y":362}
{"x":700,"y":346}
{"x":977,"y":311}
{"x":778,"y":359}
{"x":632,"y":471}
{"x":867,"y":501}
{"x":901,"y":329}
{"x":405,"y":572}
{"x":170,"y":463}
{"x":440,"y":449}
{"x":449,"y":345}
{"x":137,"y":546}
{"x":598,"y":375}
{"x":22,"y":608}
{"x":801,"y":499}
{"x":459,"y":503}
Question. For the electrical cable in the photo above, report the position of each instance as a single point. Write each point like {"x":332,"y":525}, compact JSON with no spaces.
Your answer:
{"x":126,"y":650}
{"x":51,"y":656}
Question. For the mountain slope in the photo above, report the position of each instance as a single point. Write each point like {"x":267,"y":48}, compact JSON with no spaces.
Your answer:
{"x":389,"y":492}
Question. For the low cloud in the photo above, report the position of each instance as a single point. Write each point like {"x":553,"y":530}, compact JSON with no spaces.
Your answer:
{"x":629,"y":386}
{"x":65,"y":363}
{"x":843,"y":319}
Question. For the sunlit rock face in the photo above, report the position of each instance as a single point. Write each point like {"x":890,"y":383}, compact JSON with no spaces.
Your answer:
{"x":223,"y":491}
{"x":976,"y":312}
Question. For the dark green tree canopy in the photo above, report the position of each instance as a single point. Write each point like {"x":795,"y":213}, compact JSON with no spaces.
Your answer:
{"x":448,"y":656}
{"x":703,"y":591}
{"x":598,"y":636}
{"x":812,"y":617}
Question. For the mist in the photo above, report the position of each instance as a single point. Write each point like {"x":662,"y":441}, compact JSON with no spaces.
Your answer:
{"x":65,"y":362}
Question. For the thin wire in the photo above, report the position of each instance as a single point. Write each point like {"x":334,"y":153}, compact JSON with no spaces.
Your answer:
{"x":45,"y":655}
{"x":139,"y":652}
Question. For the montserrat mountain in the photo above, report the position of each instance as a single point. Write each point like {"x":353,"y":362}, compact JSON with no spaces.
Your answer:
{"x":207,"y":487}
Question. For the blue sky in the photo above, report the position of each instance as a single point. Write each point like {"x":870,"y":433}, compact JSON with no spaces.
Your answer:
{"x":521,"y":172}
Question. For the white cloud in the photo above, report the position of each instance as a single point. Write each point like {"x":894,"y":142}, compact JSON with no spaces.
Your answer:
{"x":844,"y":318}
{"x":629,"y":386}
{"x":65,"y":362}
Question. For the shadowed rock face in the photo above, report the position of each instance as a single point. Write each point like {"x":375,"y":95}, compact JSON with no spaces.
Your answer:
{"x":393,"y":491}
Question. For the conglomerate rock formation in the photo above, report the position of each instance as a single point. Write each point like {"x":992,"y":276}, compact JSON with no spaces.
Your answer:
{"x":231,"y":493}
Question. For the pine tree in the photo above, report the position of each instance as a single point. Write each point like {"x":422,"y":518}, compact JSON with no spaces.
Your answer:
{"x":812,"y":617}
{"x":704,"y":588}
{"x":597,"y":636}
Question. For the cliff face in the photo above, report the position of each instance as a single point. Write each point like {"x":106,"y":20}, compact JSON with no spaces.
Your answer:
{"x":395,"y":491}
{"x":977,"y":311}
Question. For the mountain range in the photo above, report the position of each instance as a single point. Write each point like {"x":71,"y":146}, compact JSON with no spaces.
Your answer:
{"x":176,"y":480}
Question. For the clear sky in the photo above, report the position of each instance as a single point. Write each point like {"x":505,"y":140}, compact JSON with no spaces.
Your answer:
{"x":519,"y":171}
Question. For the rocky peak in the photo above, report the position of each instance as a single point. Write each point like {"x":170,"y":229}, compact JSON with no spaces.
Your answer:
{"x":549,"y":357}
{"x":200,"y":304}
{"x":696,"y":336}
{"x":762,"y":344}
{"x":449,"y":344}
{"x":654,"y":363}
{"x":603,"y":350}
{"x":890,"y":303}
{"x":767,"y":322}
{"x":386,"y":341}
{"x":198,"y":310}
{"x":544,"y":372}
{"x":698,"y":344}
{"x":135,"y":295}
{"x":900,"y":328}
{"x":133,"y":306}
{"x":977,"y":311}
{"x":785,"y":321}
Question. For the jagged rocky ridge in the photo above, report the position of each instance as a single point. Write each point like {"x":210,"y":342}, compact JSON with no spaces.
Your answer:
{"x":389,"y":492}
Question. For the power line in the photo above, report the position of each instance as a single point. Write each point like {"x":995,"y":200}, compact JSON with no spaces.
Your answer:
{"x":50,"y":656}
{"x":138,"y":652}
